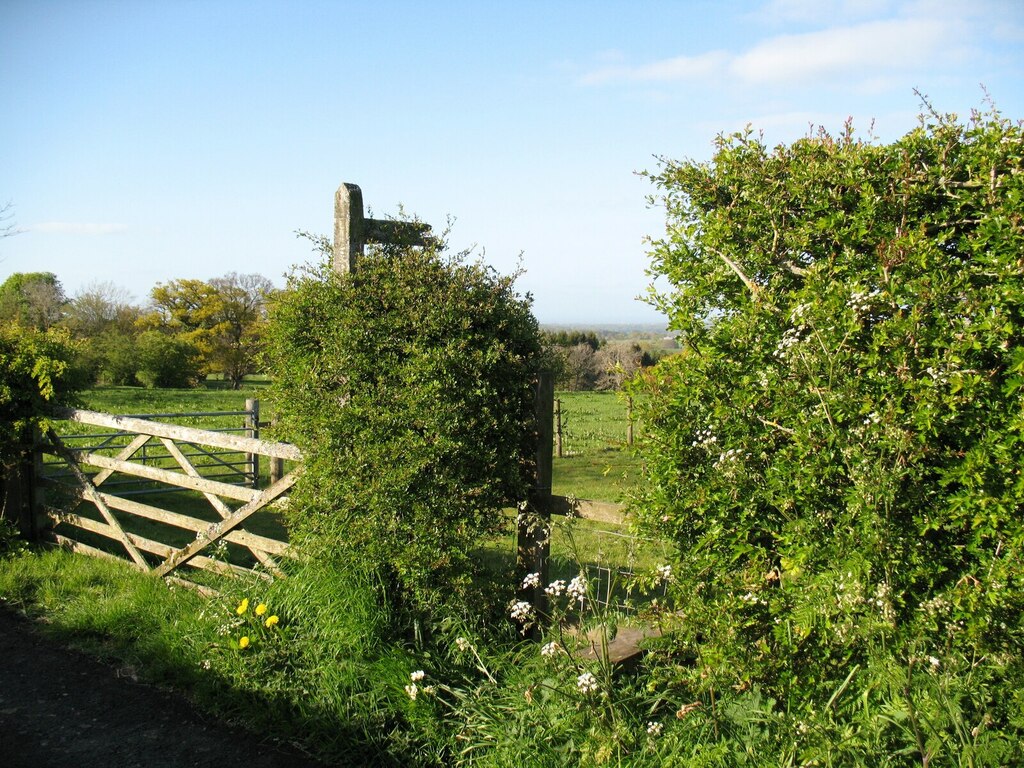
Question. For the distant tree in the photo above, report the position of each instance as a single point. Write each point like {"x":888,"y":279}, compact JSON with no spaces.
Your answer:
{"x":222,"y":318}
{"x":238,"y":334}
{"x":618,"y":361}
{"x":166,"y":360}
{"x":32,"y":300}
{"x":101,"y":307}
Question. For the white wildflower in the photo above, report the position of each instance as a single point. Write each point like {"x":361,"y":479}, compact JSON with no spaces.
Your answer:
{"x":555,"y":588}
{"x":586,"y":683}
{"x":577,"y":588}
{"x":418,"y":675}
{"x":521,"y":611}
{"x":549,"y":649}
{"x":412,"y":690}
{"x":653,"y":728}
{"x":462,"y":644}
{"x":531,"y":580}
{"x":664,"y":572}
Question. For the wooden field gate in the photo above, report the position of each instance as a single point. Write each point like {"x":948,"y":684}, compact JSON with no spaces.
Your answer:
{"x":164,"y":559}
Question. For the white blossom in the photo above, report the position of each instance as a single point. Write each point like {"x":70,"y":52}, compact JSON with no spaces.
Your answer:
{"x":521,"y":611}
{"x":412,"y":690}
{"x":653,"y":728}
{"x":577,"y":588}
{"x":586,"y":683}
{"x":418,"y":675}
{"x":549,"y":649}
{"x":531,"y":580}
{"x":555,"y":588}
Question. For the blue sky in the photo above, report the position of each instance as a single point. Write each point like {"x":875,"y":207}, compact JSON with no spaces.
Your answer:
{"x":147,"y":141}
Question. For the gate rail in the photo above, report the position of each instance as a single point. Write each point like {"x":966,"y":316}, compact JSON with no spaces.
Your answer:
{"x":90,"y":470}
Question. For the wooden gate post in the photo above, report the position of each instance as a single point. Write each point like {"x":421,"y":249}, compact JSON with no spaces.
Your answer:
{"x":252,"y":424}
{"x":534,"y":535}
{"x":22,"y":502}
{"x":276,"y":464}
{"x":558,"y":428}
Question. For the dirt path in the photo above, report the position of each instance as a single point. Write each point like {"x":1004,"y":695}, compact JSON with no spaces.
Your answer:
{"x":60,"y":708}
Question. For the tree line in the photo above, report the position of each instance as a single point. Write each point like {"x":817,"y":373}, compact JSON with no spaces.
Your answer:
{"x":188,"y":330}
{"x":584,"y":361}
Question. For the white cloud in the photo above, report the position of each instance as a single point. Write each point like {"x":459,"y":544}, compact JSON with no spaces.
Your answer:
{"x":862,"y":49}
{"x":86,"y":229}
{"x":868,"y":53}
{"x":678,"y":68}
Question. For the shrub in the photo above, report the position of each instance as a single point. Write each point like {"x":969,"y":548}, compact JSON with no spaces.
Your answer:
{"x":836,"y":451}
{"x":35,"y":375}
{"x":165,"y":360}
{"x":408,"y":385}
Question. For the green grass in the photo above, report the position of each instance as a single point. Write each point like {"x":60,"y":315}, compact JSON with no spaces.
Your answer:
{"x":596,"y":462}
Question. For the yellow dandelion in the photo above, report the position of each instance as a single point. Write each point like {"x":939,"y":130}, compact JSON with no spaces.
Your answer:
{"x":271,"y":621}
{"x":261,"y":609}
{"x":243,"y":642}
{"x":242,"y":606}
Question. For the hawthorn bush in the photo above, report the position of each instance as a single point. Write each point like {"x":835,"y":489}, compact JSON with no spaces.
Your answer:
{"x":837,"y":451}
{"x":409,"y":387}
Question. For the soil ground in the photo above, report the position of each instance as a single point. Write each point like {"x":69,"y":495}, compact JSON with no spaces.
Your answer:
{"x":60,"y":708}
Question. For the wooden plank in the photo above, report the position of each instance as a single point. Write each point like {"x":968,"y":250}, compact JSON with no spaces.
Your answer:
{"x":183,"y":434}
{"x":158,"y":548}
{"x":222,"y":509}
{"x":601,"y":511}
{"x":217,"y":530}
{"x":90,"y":492}
{"x":242,"y":538}
{"x":84,"y":549}
{"x":126,"y":453}
{"x":170,"y":478}
{"x":219,"y":506}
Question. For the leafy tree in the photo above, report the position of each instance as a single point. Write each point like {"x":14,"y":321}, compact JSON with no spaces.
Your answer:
{"x":836,"y":452}
{"x":32,"y":299}
{"x":99,"y":308}
{"x":36,"y":375}
{"x":408,"y":385}
{"x":166,"y":360}
{"x":222,"y":318}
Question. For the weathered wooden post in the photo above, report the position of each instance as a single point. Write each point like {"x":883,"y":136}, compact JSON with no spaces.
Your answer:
{"x":629,"y":418}
{"x":352,"y":231}
{"x":558,"y":427}
{"x":276,"y":464}
{"x":22,"y":493}
{"x":252,"y":426}
{"x":534,"y":536}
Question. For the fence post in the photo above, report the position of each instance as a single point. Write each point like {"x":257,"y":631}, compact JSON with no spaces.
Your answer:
{"x":20,"y":502}
{"x":629,"y":417}
{"x":36,"y":489}
{"x":276,"y":464}
{"x":558,"y":427}
{"x":252,"y":424}
{"x":534,"y":535}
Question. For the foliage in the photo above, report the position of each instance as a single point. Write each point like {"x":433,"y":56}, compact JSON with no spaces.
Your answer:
{"x":409,"y":386}
{"x":166,"y":360}
{"x":35,"y":375}
{"x":32,"y":300}
{"x":222,"y":318}
{"x":836,"y":451}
